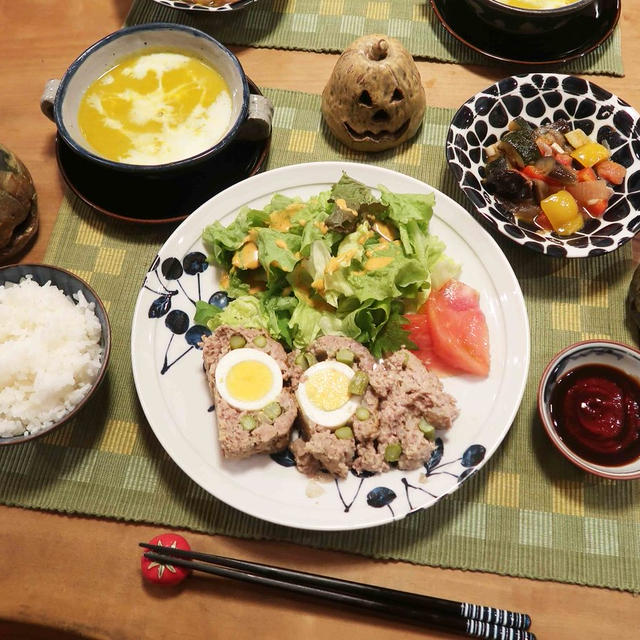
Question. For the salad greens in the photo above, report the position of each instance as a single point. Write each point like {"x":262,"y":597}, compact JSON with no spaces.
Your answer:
{"x":344,"y":262}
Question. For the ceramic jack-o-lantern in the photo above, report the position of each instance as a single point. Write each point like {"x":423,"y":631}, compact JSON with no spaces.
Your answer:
{"x":374,"y":99}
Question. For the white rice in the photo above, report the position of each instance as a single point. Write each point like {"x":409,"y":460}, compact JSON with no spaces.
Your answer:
{"x":49,"y":355}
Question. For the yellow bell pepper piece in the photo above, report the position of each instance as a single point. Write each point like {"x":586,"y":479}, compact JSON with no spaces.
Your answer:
{"x":589,"y":154}
{"x":562,"y":211}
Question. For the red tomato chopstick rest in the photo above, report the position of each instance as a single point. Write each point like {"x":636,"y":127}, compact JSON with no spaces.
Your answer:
{"x":165,"y":573}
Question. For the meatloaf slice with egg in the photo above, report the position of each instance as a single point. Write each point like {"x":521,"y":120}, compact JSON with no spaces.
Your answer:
{"x":243,"y":431}
{"x":331,"y":446}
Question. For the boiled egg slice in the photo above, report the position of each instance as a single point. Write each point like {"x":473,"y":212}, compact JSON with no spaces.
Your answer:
{"x":323,"y":394}
{"x":248,"y":379}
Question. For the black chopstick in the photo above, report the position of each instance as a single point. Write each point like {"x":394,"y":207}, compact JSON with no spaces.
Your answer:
{"x":438,"y":613}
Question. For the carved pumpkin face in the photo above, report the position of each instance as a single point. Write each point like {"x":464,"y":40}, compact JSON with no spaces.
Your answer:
{"x":374,"y":99}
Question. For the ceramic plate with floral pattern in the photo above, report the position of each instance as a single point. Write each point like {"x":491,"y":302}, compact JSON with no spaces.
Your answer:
{"x":541,"y":98}
{"x":171,"y":384}
{"x":204,"y":6}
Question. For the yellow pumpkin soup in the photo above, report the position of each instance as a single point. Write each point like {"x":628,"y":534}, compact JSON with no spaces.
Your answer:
{"x":155,"y":107}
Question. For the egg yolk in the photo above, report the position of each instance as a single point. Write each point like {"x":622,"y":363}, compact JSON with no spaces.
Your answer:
{"x":328,"y":389}
{"x":248,"y":381}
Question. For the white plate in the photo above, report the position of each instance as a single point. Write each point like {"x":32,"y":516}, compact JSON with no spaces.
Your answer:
{"x":177,"y":402}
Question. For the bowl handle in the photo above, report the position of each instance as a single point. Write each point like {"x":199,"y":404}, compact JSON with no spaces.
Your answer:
{"x":257,"y":125}
{"x":49,"y":97}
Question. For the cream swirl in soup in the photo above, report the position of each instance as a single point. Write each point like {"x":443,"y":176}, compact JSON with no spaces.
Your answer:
{"x":537,"y":4}
{"x":154,"y":108}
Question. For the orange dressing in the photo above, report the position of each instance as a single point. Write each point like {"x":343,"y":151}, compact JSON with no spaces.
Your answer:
{"x":246,"y":257}
{"x":377,"y":263}
{"x":281,"y":220}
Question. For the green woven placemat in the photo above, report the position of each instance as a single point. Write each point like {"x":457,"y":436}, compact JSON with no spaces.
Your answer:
{"x":330,"y":25}
{"x":527,"y":512}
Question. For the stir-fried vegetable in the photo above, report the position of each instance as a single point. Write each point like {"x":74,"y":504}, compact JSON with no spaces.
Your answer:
{"x":562,"y":212}
{"x":551,"y":176}
{"x":590,"y":154}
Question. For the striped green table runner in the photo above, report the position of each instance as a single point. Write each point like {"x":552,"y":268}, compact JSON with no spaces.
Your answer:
{"x":330,"y":25}
{"x":526,"y":513}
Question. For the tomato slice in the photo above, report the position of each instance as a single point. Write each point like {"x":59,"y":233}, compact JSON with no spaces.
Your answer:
{"x":418,"y":327}
{"x":164,"y":572}
{"x":458,"y":328}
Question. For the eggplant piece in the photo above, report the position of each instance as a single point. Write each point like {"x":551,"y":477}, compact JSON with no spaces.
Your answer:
{"x":520,"y":147}
{"x":495,"y":164}
{"x":555,"y":133}
{"x":545,"y":165}
{"x":561,"y":125}
{"x":508,"y":184}
{"x":551,"y":168}
{"x":563,"y":175}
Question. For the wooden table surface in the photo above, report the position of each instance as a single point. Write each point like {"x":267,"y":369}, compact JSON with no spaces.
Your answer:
{"x":74,"y":577}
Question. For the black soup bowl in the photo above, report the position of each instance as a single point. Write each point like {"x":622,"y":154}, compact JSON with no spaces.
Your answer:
{"x":529,"y":21}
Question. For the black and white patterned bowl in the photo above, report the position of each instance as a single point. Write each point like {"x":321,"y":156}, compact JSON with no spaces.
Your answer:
{"x":69,"y":284}
{"x":589,"y":352}
{"x":541,"y":98}
{"x":190,"y":6}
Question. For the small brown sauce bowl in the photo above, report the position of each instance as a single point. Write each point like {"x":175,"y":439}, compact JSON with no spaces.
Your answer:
{"x":589,"y":405}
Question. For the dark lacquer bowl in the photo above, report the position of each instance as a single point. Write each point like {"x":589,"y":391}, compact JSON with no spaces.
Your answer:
{"x":517,"y":20}
{"x":572,"y":390}
{"x":69,"y":284}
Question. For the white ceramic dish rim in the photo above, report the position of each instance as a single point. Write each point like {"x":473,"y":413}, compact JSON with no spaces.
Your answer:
{"x":514,"y":347}
{"x":624,"y":472}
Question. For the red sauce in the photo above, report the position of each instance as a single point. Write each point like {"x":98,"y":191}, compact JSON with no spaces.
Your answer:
{"x":596,"y":411}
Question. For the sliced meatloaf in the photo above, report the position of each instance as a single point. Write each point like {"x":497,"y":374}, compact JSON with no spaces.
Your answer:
{"x":326,"y":348}
{"x":269,"y":435}
{"x":409,"y":393}
{"x":408,"y":386}
{"x":319,"y":448}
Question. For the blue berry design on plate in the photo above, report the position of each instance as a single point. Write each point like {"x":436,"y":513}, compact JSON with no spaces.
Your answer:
{"x":178,"y":322}
{"x":220,"y":299}
{"x":162,"y":304}
{"x":382,"y":496}
{"x":472,"y":456}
